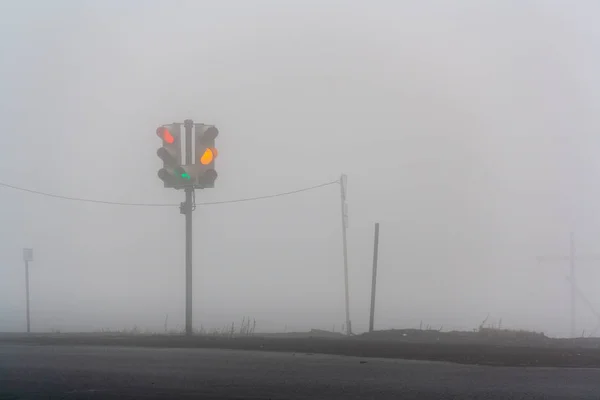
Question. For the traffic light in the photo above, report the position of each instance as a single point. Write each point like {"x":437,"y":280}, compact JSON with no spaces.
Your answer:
{"x":172,"y":173}
{"x":205,"y":155}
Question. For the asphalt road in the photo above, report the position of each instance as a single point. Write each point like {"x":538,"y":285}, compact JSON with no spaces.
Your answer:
{"x":94,"y":372}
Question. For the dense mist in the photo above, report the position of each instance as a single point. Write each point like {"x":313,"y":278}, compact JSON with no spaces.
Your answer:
{"x":467,"y":129}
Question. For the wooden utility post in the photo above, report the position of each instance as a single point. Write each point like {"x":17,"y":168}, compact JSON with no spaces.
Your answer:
{"x":374,"y":279}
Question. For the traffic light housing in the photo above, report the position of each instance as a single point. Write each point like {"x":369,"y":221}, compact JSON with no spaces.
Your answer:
{"x":172,"y":174}
{"x":205,"y":155}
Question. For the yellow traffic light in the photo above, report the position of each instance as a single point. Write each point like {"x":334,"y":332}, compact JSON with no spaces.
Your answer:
{"x":208,"y":156}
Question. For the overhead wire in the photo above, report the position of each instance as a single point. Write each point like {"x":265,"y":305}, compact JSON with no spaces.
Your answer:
{"x":118,"y":203}
{"x":270,"y":196}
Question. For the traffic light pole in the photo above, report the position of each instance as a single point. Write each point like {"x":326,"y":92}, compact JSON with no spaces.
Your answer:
{"x":188,"y":260}
{"x":188,"y":208}
{"x":182,"y":170}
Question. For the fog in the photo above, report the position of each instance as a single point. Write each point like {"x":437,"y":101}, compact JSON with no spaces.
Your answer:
{"x":467,"y":129}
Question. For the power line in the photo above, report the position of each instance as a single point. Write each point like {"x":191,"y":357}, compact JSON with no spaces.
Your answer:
{"x":57,"y":196}
{"x":117,"y":203}
{"x":270,"y":196}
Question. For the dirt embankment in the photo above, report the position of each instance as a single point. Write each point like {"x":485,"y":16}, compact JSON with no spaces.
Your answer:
{"x":466,"y":349}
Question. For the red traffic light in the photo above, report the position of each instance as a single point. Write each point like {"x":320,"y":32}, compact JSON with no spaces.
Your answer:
{"x":165,"y":134}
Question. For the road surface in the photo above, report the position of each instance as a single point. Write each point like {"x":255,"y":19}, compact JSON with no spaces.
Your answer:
{"x":95,"y":372}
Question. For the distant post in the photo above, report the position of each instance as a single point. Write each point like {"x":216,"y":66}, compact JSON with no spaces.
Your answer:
{"x":343,"y":192}
{"x":374,"y":279}
{"x":572,"y":258}
{"x":27,"y":257}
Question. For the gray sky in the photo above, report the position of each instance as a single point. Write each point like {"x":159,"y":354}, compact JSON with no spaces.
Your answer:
{"x":467,"y":129}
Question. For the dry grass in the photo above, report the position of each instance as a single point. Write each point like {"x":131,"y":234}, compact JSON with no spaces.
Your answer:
{"x":246,"y":328}
{"x":493,"y":330}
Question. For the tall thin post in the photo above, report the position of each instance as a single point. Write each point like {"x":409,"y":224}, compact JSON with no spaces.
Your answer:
{"x":572,"y":258}
{"x":374,"y":279}
{"x":573,"y":284}
{"x":188,"y":208}
{"x":27,"y":294}
{"x":343,"y":187}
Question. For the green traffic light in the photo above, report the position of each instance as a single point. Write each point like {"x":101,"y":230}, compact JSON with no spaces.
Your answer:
{"x":186,"y":176}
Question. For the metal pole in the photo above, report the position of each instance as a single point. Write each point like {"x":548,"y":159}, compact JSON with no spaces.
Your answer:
{"x":188,"y":124}
{"x":374,"y":279}
{"x":343,"y":179}
{"x":27,"y":294}
{"x":573,"y":284}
